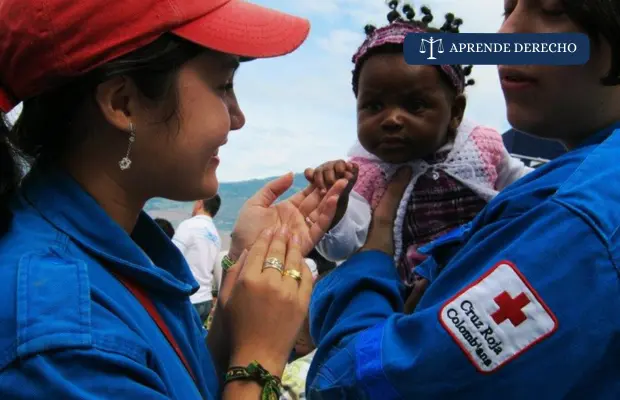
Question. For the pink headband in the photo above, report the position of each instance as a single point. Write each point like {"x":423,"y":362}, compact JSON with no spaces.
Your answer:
{"x":395,"y":33}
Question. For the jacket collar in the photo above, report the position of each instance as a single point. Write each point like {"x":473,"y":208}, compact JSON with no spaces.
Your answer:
{"x":600,"y":137}
{"x":147,"y":256}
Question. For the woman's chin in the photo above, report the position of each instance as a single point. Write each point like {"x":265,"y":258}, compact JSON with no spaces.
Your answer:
{"x":210,"y":185}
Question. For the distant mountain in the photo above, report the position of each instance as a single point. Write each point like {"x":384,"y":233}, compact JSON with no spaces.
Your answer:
{"x":233,"y":195}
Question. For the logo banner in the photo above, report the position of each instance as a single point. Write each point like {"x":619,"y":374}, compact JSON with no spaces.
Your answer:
{"x":497,"y":48}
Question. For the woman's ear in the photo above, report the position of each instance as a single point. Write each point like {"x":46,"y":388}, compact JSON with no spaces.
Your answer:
{"x":458,"y":111}
{"x":116,"y":98}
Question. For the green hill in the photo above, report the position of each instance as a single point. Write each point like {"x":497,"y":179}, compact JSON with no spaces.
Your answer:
{"x":233,"y":194}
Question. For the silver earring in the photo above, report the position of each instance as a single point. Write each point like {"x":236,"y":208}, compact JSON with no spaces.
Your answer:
{"x":125,"y":163}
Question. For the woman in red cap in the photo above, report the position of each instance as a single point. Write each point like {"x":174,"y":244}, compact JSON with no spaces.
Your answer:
{"x":123,"y":102}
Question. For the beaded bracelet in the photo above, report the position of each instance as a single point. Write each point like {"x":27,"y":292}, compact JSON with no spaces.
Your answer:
{"x":255,"y":372}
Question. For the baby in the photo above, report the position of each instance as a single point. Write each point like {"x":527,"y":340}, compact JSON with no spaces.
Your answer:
{"x":412,"y":115}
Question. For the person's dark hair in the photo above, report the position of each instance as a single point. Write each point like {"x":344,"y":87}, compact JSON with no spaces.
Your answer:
{"x":600,"y":18}
{"x":165,"y":226}
{"x":323,"y":265}
{"x":9,"y":174}
{"x":50,"y":125}
{"x":212,"y":205}
{"x":408,"y":15}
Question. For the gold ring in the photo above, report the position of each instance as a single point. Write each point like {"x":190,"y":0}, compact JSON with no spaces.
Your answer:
{"x":292,"y":274}
{"x":273,"y":262}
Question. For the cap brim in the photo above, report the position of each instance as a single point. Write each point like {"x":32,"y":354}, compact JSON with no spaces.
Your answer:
{"x":247,"y":30}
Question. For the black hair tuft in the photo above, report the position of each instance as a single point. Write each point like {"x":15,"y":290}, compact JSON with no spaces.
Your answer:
{"x":409,"y":12}
{"x":393,"y":16}
{"x":369,"y":29}
{"x":428,"y":15}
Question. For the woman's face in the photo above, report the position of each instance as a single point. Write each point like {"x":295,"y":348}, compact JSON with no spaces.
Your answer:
{"x":177,"y":157}
{"x":561,"y":102}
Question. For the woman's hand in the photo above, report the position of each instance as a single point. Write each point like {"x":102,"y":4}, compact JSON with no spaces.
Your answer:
{"x":267,"y":308}
{"x":309,"y":212}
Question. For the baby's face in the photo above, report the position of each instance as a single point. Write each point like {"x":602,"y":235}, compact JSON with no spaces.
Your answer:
{"x":404,"y":112}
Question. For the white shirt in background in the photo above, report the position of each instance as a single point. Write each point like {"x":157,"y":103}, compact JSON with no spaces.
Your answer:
{"x":200,"y":243}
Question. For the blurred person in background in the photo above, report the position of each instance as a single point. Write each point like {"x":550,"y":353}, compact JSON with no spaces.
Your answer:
{"x":200,"y":243}
{"x":165,"y":226}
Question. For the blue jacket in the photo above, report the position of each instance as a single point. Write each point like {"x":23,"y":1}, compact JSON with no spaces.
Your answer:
{"x":68,"y":328}
{"x":527,"y":307}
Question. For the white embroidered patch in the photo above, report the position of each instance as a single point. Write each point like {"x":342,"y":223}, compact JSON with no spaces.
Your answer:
{"x":497,"y":318}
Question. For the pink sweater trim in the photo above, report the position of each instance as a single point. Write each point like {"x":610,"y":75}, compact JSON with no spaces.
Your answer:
{"x":490,"y":147}
{"x":371,"y":181}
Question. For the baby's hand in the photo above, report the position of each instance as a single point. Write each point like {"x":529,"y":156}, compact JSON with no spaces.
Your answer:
{"x":325,"y":175}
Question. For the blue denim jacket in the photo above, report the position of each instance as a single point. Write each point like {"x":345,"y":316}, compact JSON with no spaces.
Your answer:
{"x":68,"y":328}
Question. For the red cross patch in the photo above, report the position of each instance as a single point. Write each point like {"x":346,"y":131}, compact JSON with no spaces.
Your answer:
{"x":496,"y":318}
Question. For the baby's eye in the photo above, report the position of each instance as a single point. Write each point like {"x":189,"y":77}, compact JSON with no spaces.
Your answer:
{"x":373,"y":106}
{"x":415,"y":105}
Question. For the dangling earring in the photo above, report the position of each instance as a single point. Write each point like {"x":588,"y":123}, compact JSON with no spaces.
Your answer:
{"x":125,"y":163}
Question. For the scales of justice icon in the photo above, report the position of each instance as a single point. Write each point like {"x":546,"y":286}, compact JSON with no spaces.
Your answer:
{"x":431,"y":42}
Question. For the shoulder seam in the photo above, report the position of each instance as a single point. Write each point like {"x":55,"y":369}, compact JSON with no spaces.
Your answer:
{"x":601,"y":236}
{"x":120,"y":346}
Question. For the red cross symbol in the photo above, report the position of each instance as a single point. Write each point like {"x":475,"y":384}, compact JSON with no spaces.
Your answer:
{"x":510,"y":308}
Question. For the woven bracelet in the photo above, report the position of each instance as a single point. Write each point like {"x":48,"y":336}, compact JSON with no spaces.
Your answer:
{"x":255,"y":372}
{"x":227,"y":263}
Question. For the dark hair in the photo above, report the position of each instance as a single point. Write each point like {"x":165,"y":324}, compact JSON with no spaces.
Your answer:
{"x":48,"y":127}
{"x":166,"y":226}
{"x":600,"y":17}
{"x":451,"y":25}
{"x":9,"y":174}
{"x":212,"y":205}
{"x":323,"y":265}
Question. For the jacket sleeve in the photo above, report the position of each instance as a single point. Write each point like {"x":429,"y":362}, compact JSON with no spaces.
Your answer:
{"x":80,"y":374}
{"x":505,"y":315}
{"x":350,"y":233}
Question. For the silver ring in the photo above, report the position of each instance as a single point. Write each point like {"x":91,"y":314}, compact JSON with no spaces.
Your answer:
{"x":274,"y":263}
{"x":274,"y":267}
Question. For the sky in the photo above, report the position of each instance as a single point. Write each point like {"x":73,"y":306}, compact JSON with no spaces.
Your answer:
{"x":300,"y":109}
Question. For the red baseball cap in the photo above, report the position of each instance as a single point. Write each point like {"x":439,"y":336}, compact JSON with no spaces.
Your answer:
{"x":44,"y":43}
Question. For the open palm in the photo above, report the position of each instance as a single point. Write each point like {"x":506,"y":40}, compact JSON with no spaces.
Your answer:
{"x":308,"y":213}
